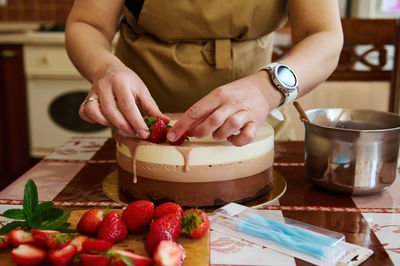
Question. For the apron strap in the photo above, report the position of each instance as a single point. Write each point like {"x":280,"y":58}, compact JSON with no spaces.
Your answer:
{"x":218,"y":52}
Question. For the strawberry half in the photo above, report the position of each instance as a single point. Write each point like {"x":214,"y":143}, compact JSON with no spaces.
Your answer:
{"x":113,"y":228}
{"x":40,"y":236}
{"x":169,"y":253}
{"x":178,"y":141}
{"x":56,"y":241}
{"x":138,"y":215}
{"x":62,"y":256}
{"x":26,"y":254}
{"x":19,"y":236}
{"x":94,"y":259}
{"x":167,"y":227}
{"x":90,"y":221}
{"x":157,"y":128}
{"x":166,"y":208}
{"x":78,"y":242}
{"x":138,"y":260}
{"x":96,"y":245}
{"x":195,"y":223}
{"x":4,"y":241}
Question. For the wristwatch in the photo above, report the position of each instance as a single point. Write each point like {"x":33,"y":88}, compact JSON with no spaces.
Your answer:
{"x":284,"y":79}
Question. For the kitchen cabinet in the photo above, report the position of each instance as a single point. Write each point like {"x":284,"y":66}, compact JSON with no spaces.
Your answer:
{"x":14,"y":138}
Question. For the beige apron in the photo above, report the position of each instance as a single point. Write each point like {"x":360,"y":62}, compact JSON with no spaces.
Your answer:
{"x":184,"y":49}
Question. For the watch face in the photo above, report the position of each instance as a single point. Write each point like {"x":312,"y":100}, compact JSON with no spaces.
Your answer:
{"x":286,"y":77}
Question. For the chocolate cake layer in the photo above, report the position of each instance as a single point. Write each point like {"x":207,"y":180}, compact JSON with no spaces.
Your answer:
{"x":203,"y":173}
{"x":201,"y":194}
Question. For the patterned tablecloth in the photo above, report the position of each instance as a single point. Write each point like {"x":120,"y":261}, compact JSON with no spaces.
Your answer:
{"x":72,"y":176}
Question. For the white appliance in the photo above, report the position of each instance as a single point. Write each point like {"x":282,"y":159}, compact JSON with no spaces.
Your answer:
{"x":54,"y":90}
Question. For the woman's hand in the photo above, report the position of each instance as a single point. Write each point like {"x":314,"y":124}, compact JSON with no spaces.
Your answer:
{"x":119,"y":90}
{"x":240,"y":106}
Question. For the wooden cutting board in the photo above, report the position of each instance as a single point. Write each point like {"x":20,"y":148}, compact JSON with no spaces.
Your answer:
{"x":197,"y":250}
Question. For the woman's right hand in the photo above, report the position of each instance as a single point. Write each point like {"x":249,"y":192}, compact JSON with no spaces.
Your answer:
{"x":119,"y":90}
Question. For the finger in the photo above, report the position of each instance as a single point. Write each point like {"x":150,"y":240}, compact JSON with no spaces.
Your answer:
{"x":149,"y":105}
{"x":232,"y":125}
{"x":214,"y":121}
{"x":127,"y":103}
{"x":194,"y":115}
{"x":83,"y":115}
{"x":110,"y":111}
{"x":93,"y":112}
{"x":246,"y":135}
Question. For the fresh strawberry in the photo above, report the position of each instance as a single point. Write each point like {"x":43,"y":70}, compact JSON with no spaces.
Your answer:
{"x":62,"y":256}
{"x":138,"y":260}
{"x":96,"y":245}
{"x":78,"y":241}
{"x":112,"y":228}
{"x":4,"y":241}
{"x":90,"y":221}
{"x":26,"y":254}
{"x":40,"y":236}
{"x":166,"y":208}
{"x":56,"y":241}
{"x":178,"y":141}
{"x":169,"y":253}
{"x":19,"y":236}
{"x":167,"y":227}
{"x":138,"y":215}
{"x":94,"y":259}
{"x":157,"y":128}
{"x":195,"y":223}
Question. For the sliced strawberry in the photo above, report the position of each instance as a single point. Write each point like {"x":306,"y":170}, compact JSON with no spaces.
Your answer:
{"x":26,"y":254}
{"x":178,"y":141}
{"x":90,"y":221}
{"x":138,"y":215}
{"x":56,"y":241}
{"x":138,"y":260}
{"x":167,"y":227}
{"x":157,"y":128}
{"x":195,"y":223}
{"x":94,"y":259}
{"x":40,"y":236}
{"x":169,"y":253}
{"x":4,"y":241}
{"x":62,"y":256}
{"x":166,"y":208}
{"x":78,"y":241}
{"x":96,"y":245}
{"x":19,"y":236}
{"x":112,"y":228}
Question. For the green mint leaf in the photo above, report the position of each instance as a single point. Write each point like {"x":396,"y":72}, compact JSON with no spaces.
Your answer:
{"x":17,"y":214}
{"x":10,"y":226}
{"x":57,"y":223}
{"x":42,"y":206}
{"x":30,"y":198}
{"x":44,"y":213}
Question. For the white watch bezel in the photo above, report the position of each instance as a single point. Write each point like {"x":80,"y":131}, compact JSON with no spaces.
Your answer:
{"x":290,"y":92}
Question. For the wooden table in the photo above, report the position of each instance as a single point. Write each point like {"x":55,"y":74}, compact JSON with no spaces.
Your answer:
{"x":73,"y":174}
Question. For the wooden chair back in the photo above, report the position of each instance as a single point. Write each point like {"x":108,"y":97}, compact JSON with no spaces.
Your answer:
{"x":369,"y":64}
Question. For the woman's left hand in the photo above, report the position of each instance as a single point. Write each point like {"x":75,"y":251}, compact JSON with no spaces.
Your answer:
{"x":233,"y":111}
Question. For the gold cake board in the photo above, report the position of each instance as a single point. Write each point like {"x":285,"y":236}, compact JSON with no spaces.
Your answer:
{"x":110,"y":188}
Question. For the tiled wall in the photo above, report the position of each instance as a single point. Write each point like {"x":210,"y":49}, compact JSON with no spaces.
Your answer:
{"x":35,"y":10}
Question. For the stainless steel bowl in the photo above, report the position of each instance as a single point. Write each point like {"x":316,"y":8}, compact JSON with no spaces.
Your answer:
{"x":351,"y":151}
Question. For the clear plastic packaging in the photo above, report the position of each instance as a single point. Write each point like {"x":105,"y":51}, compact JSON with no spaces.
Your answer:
{"x":307,"y":242}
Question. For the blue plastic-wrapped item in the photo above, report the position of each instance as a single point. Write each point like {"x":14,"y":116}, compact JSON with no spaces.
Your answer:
{"x":310,"y":243}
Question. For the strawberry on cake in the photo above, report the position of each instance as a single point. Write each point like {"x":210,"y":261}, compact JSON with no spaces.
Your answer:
{"x":197,"y":172}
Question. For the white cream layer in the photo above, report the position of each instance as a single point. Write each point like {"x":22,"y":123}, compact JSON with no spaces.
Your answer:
{"x":205,"y":151}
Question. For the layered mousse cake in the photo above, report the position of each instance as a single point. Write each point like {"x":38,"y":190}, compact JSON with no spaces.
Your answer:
{"x":200,"y":172}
